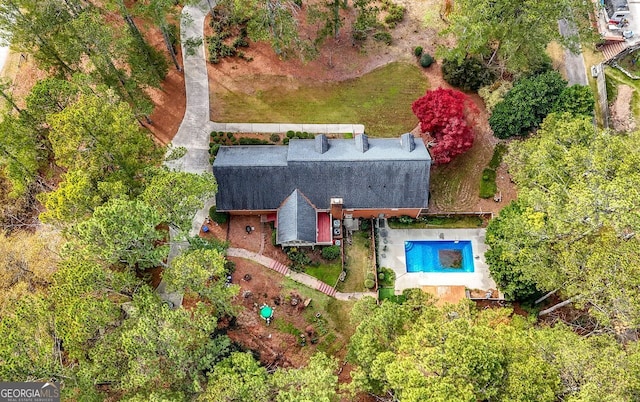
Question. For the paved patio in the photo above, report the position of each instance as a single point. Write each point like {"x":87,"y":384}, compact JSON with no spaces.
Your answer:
{"x":392,"y":255}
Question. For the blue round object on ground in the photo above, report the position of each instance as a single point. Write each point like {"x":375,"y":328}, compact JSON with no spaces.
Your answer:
{"x":266,"y":312}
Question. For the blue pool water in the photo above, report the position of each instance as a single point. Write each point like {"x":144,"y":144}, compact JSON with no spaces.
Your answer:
{"x":422,"y":255}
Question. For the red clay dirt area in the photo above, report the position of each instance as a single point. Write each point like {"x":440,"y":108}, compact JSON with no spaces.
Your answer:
{"x":280,"y":344}
{"x":260,"y":285}
{"x":169,"y":100}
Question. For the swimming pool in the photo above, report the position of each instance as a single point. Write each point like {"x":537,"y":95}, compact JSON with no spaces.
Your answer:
{"x":438,"y":256}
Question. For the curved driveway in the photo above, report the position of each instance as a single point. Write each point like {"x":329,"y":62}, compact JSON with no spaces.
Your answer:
{"x":193,"y":133}
{"x":196,"y":125}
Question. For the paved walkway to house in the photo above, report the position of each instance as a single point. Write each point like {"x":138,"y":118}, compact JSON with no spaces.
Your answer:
{"x":299,"y":277}
{"x":193,"y":133}
{"x":284,"y":127}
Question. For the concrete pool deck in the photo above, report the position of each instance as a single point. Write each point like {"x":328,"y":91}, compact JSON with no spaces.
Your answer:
{"x":392,"y":255}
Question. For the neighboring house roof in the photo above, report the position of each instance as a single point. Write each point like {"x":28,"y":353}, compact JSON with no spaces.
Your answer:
{"x":615,"y":5}
{"x":366,"y":173}
{"x":296,"y":220}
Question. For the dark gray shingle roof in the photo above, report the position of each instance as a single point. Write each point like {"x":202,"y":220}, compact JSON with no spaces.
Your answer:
{"x":385,"y":176}
{"x":296,"y":220}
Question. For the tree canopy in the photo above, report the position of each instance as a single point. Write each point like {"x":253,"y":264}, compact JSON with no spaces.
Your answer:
{"x":156,"y":348}
{"x":123,"y":232}
{"x":178,"y":195}
{"x":106,"y":154}
{"x":316,"y":381}
{"x":574,"y":225}
{"x":27,"y":264}
{"x":526,"y":104}
{"x":457,"y":353}
{"x":20,"y":153}
{"x":86,"y":315}
{"x":271,"y":21}
{"x":239,"y":377}
{"x":202,"y":271}
{"x":512,"y":35}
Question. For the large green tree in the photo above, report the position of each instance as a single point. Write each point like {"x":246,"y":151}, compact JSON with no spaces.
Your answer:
{"x":178,"y":195}
{"x":86,"y":299}
{"x":150,"y":62}
{"x":316,"y":381}
{"x":273,"y":21}
{"x":460,"y":353}
{"x":73,"y":35}
{"x":98,"y":134}
{"x":444,"y":360}
{"x":21,"y":154}
{"x":525,"y":106}
{"x":514,"y":254}
{"x":202,"y":271}
{"x":159,"y":12}
{"x":377,"y":328}
{"x":594,"y":368}
{"x":28,"y":347}
{"x":156,"y":350}
{"x":36,"y":27}
{"x":578,"y":188}
{"x":123,"y":232}
{"x":513,"y":35}
{"x":328,"y":14}
{"x":239,"y":377}
{"x":105,"y":151}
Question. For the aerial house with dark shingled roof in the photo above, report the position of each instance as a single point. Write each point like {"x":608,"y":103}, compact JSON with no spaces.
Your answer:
{"x":309,"y":186}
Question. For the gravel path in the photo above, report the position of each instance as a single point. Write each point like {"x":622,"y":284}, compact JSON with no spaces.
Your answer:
{"x":621,"y":116}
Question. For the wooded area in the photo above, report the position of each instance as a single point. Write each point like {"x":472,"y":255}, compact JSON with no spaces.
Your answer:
{"x":87,"y":208}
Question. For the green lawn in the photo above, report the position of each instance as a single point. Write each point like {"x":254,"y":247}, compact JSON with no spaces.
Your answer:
{"x":333,"y":326}
{"x":389,"y":294}
{"x":455,"y":186}
{"x":627,"y":62}
{"x":488,"y":185}
{"x":381,"y":100}
{"x":335,"y":311}
{"x":327,"y":273}
{"x":359,"y":264}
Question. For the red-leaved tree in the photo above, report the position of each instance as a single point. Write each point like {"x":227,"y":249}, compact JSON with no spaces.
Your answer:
{"x":444,"y":116}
